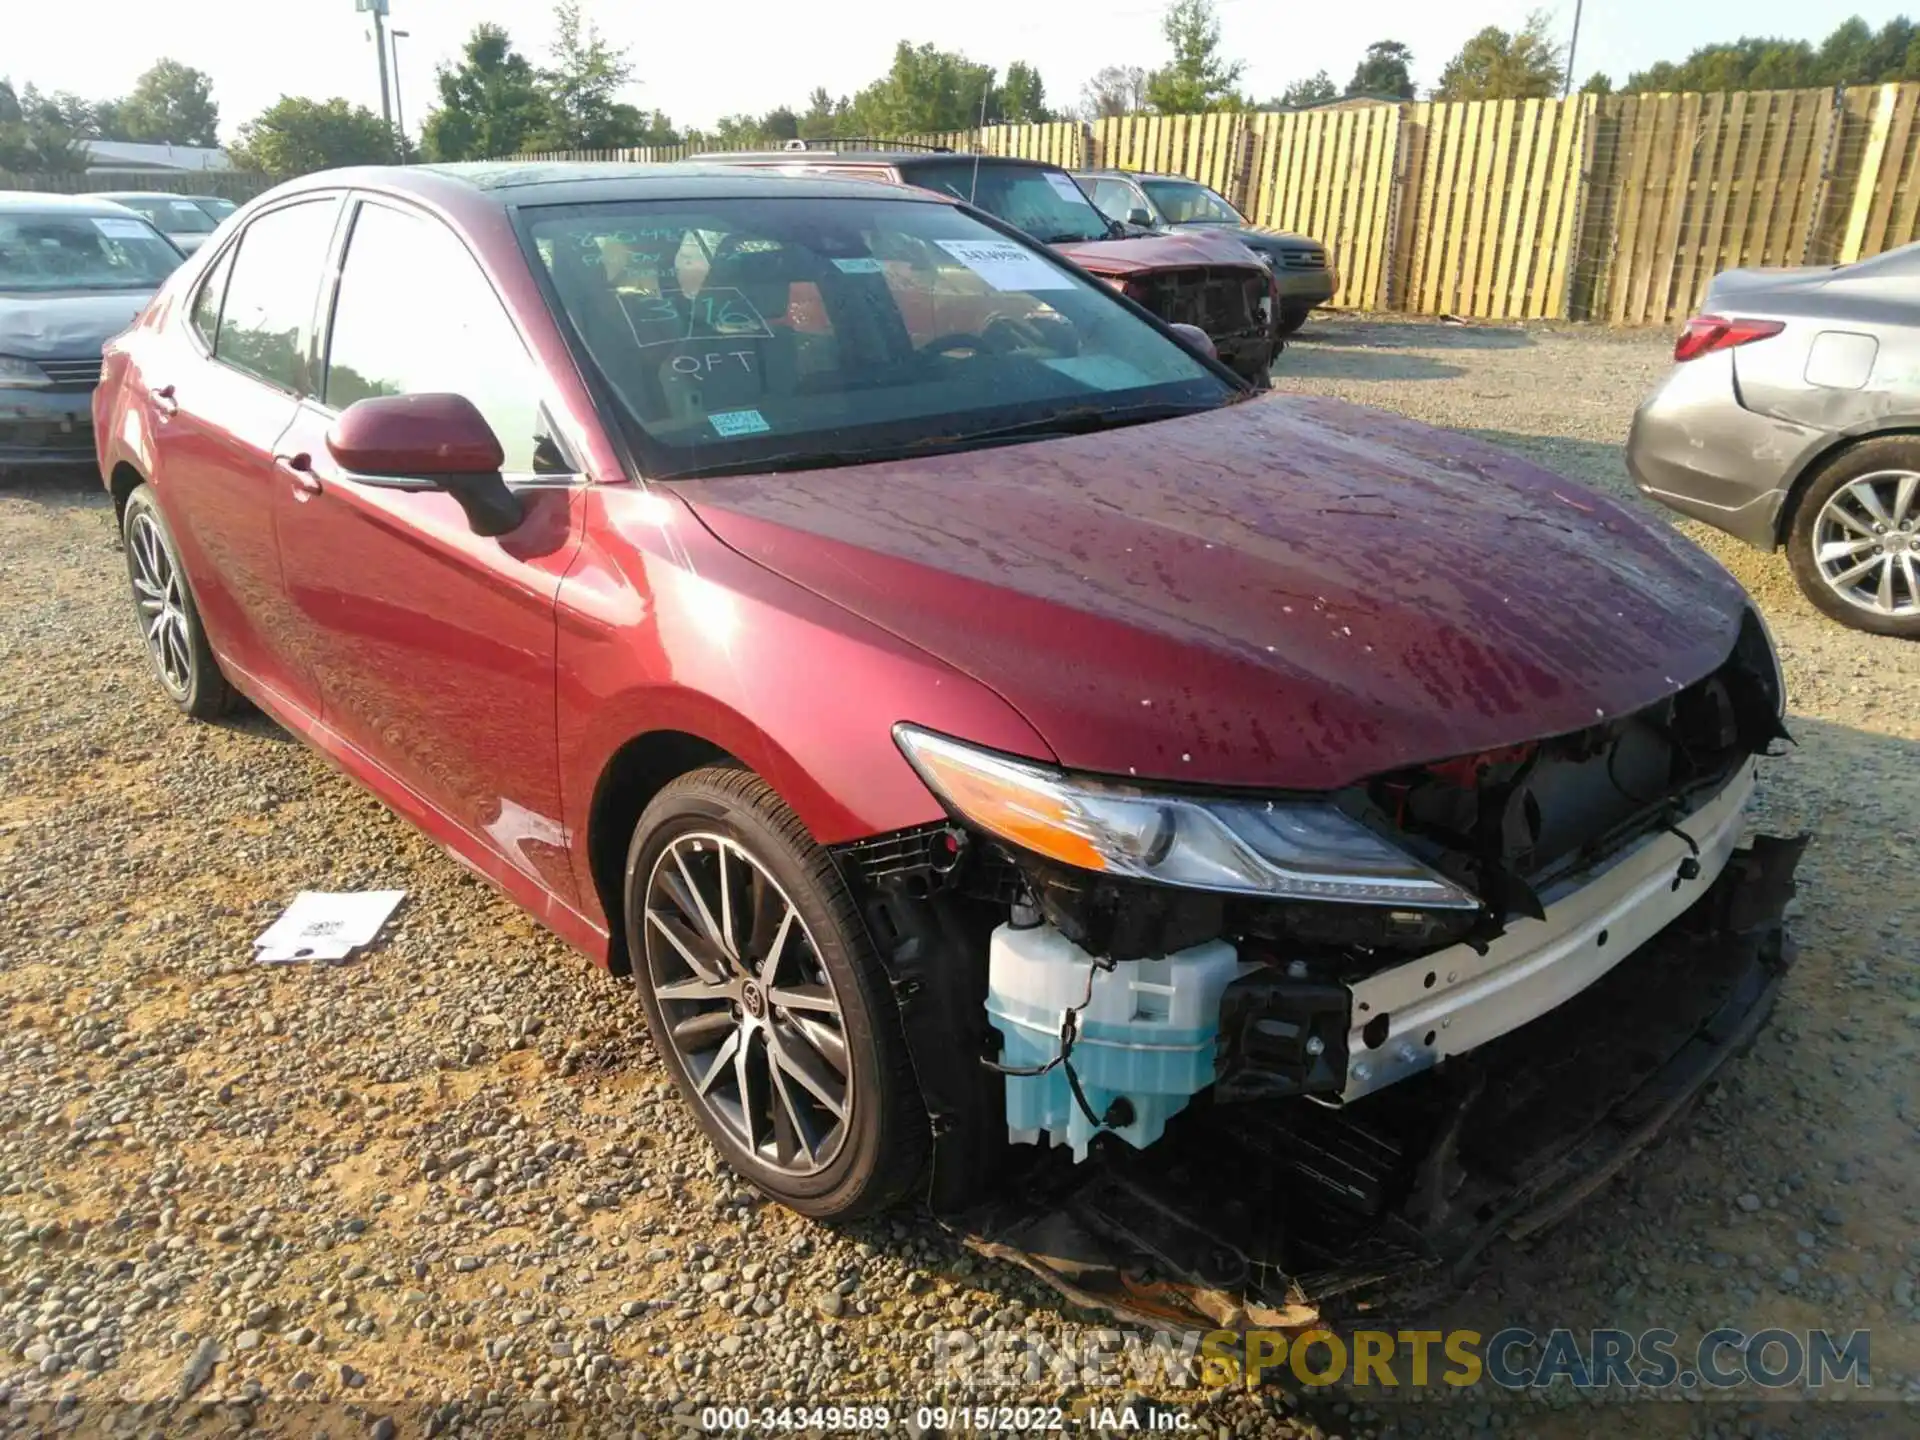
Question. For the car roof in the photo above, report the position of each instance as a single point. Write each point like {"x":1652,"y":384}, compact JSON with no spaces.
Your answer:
{"x":541,"y":182}
{"x":1137,"y":175}
{"x":871,"y":157}
{"x":41,"y":202}
{"x":140,"y":195}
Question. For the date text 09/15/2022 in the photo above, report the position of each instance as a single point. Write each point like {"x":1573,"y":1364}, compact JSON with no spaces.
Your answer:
{"x":940,"y":1419}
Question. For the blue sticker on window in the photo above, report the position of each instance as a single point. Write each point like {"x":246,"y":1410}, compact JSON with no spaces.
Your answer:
{"x":738,"y":422}
{"x":858,"y":265}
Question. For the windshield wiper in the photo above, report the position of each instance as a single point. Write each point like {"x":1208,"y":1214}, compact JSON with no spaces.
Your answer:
{"x":1083,"y":420}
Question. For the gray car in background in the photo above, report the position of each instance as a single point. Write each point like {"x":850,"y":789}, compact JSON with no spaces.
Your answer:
{"x":1170,"y":203}
{"x":186,"y":220}
{"x":1791,"y":418}
{"x":74,"y":272}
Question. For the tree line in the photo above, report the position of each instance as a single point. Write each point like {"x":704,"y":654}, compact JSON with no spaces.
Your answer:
{"x":495,"y":101}
{"x":170,"y":104}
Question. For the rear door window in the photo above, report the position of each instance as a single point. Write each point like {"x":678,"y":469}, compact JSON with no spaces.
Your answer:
{"x":266,"y":323}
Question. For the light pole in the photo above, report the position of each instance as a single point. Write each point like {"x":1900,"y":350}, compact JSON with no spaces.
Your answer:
{"x":399,"y":111}
{"x":378,"y":9}
{"x":1573,"y":48}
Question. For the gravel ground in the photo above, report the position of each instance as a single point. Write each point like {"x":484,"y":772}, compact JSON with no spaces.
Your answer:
{"x":446,"y":1187}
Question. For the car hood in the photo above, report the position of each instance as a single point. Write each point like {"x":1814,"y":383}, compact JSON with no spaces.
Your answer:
{"x":1257,"y":237}
{"x":1156,"y":252}
{"x":1289,"y":592}
{"x":62,"y":324}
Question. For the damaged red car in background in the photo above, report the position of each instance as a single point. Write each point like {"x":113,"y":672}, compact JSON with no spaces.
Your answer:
{"x":1212,"y":282}
{"x":1023,"y":770}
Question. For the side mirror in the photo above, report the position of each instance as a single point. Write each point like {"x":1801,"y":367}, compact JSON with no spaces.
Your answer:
{"x":1196,"y":340}
{"x":428,"y":442}
{"x":1142,"y":218}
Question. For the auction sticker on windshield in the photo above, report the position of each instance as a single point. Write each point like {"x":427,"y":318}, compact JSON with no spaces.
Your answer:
{"x":1006,"y":266}
{"x":121,"y":229}
{"x":738,"y":422}
{"x":1065,"y":188}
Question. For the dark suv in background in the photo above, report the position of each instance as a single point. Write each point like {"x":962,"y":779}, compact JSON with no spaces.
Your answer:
{"x":1212,"y":282}
{"x":1176,"y":205}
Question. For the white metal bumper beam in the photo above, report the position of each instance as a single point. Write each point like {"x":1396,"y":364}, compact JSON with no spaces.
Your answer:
{"x":1457,"y":998}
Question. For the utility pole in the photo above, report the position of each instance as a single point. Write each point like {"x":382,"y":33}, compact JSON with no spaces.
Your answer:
{"x":1573,"y":48}
{"x":378,"y":9}
{"x":394,"y":37}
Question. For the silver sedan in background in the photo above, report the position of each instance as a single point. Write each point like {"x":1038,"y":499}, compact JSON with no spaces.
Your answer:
{"x":1793,"y":418}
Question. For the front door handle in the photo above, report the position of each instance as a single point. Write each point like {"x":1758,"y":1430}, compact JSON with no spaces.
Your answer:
{"x":299,"y":469}
{"x":163,"y":401}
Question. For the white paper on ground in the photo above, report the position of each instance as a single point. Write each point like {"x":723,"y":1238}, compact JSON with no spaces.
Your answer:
{"x":325,"y":926}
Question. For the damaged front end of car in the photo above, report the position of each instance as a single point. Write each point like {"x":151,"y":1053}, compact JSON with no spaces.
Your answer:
{"x":1407,"y":1018}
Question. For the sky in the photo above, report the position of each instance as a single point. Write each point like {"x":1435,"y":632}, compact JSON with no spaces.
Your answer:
{"x":700,"y":61}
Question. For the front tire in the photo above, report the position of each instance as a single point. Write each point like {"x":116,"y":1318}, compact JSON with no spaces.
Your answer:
{"x":176,"y":642}
{"x":1292,"y":317}
{"x":1854,"y":543}
{"x":765,"y":999}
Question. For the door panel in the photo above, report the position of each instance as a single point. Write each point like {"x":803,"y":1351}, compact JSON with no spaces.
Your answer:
{"x":218,"y":419}
{"x":433,"y":647}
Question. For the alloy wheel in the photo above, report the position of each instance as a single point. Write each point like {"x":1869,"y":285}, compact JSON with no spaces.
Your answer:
{"x":1866,"y":542}
{"x":158,"y":592}
{"x":747,"y":1004}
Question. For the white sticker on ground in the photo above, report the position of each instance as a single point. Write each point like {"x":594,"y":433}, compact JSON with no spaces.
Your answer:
{"x":1006,"y":265}
{"x":323,"y":926}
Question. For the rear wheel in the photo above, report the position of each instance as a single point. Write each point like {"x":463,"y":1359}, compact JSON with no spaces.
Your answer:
{"x":1854,"y":543}
{"x":177,"y":645}
{"x":766,"y":1001}
{"x":1292,"y":317}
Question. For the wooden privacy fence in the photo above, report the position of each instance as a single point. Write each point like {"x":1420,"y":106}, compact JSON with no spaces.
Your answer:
{"x":1613,"y":208}
{"x":1328,"y":175}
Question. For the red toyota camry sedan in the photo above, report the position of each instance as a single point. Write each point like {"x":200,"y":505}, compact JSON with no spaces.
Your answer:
{"x":989,"y":734}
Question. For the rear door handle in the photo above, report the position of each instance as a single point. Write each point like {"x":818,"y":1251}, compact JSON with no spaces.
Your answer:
{"x":299,"y":469}
{"x":163,"y":401}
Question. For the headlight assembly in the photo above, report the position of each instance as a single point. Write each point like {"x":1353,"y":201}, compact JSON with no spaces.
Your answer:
{"x":1294,"y":850}
{"x":17,"y":374}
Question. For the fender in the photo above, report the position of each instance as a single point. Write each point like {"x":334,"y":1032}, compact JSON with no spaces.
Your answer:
{"x":661,"y":627}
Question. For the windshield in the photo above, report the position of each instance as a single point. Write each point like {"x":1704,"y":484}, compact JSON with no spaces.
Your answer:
{"x":82,"y":252}
{"x":216,"y":207}
{"x":175,"y":217}
{"x":1184,"y":202}
{"x":776,"y":334}
{"x":1047,"y":204}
